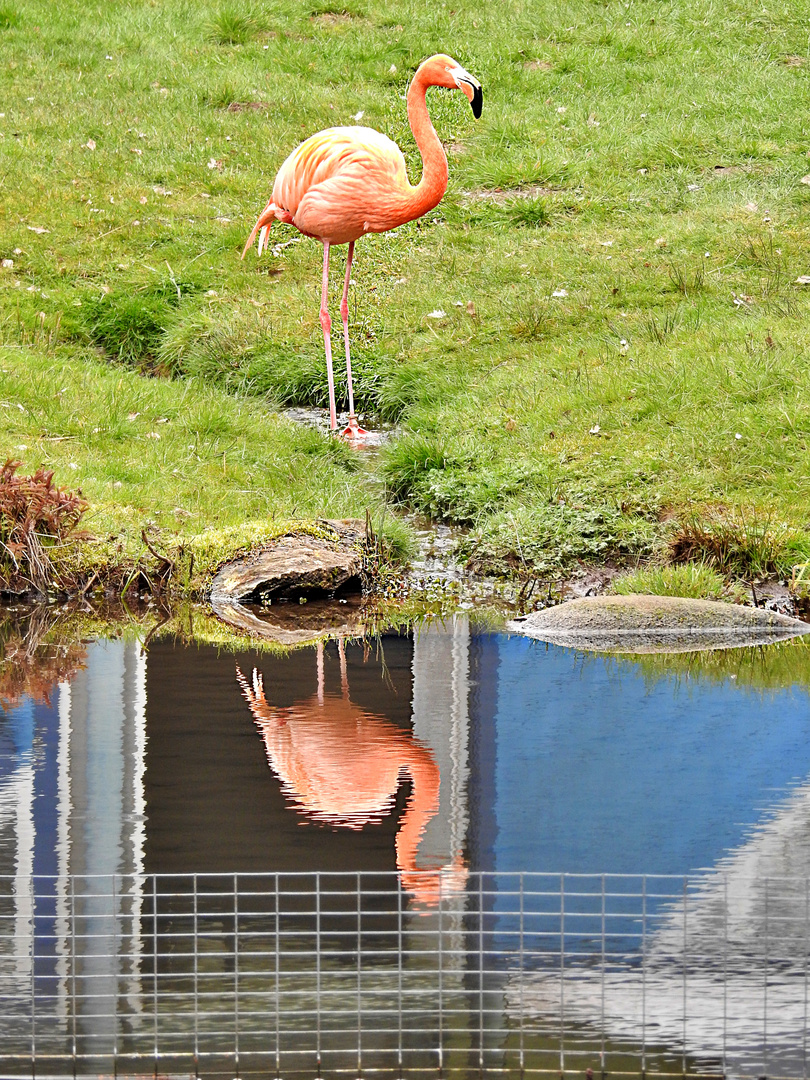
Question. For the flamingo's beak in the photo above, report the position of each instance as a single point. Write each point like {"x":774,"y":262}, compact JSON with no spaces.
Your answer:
{"x":470,"y":86}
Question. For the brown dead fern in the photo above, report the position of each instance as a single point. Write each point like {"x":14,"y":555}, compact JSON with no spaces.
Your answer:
{"x":35,"y":515}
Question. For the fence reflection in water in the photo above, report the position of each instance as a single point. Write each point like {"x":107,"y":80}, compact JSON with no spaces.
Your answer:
{"x":320,"y":974}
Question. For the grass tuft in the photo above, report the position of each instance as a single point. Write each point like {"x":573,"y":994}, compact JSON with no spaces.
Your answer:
{"x":9,"y":17}
{"x":129,"y":323}
{"x":746,"y":543}
{"x":685,"y":281}
{"x":696,"y":580}
{"x":127,"y":327}
{"x":335,"y":7}
{"x":528,"y":213}
{"x":232,"y":26}
{"x":412,"y":461}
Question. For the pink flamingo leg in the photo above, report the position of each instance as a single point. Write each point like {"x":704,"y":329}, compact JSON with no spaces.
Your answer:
{"x":326,"y":323}
{"x":353,"y":431}
{"x":344,"y":674}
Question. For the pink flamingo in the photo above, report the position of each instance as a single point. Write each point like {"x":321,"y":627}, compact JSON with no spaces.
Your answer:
{"x":345,"y":182}
{"x":342,"y":766}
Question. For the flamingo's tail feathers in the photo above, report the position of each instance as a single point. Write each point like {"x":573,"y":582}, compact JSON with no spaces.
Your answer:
{"x":262,"y":227}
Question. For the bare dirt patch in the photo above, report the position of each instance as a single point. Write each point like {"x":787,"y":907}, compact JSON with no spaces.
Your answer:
{"x":730,"y":170}
{"x":333,"y":18}
{"x":248,"y":106}
{"x":501,"y":196}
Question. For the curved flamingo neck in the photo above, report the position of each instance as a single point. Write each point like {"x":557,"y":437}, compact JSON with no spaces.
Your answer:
{"x":422,"y":806}
{"x":430,"y":189}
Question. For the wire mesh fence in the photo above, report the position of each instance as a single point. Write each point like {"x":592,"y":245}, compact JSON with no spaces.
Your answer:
{"x":332,"y":974}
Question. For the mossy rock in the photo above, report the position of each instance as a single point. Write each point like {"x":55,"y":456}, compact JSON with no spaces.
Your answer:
{"x":642,"y":623}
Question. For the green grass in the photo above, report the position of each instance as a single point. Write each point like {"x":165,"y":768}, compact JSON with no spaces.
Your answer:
{"x":624,"y":360}
{"x":196,"y":469}
{"x":696,"y":580}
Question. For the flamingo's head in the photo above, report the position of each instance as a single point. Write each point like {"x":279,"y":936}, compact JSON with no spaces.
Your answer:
{"x":443,"y":70}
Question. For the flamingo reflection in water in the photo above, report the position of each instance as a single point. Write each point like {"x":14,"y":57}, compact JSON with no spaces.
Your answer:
{"x":342,"y":766}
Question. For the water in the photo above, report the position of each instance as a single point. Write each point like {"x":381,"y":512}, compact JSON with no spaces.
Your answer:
{"x":589,"y":842}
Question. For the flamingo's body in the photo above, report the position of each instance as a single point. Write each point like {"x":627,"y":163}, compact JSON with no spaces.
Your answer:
{"x":345,"y":182}
{"x":342,"y":766}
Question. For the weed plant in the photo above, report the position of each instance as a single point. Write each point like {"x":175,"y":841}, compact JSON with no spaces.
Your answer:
{"x":601,"y":330}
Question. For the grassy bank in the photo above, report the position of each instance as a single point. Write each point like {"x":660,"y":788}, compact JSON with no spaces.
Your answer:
{"x":596,"y":345}
{"x":170,"y":469}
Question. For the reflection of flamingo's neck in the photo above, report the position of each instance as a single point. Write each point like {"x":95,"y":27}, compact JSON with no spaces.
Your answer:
{"x":422,"y":805}
{"x":427,"y":884}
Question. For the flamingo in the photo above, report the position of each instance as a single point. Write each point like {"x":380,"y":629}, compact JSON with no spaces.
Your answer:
{"x":342,"y":766}
{"x":345,"y":182}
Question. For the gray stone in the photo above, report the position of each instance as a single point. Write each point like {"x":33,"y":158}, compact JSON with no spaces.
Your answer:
{"x":295,"y":563}
{"x":292,"y":565}
{"x":637,"y":623}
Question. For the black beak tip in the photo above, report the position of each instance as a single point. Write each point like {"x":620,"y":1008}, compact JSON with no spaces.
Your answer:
{"x":477,"y":101}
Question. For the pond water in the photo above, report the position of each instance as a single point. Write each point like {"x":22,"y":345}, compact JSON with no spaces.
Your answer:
{"x":461,"y":774}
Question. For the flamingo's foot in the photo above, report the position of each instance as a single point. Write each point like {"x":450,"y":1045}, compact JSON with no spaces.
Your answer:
{"x":353,"y":432}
